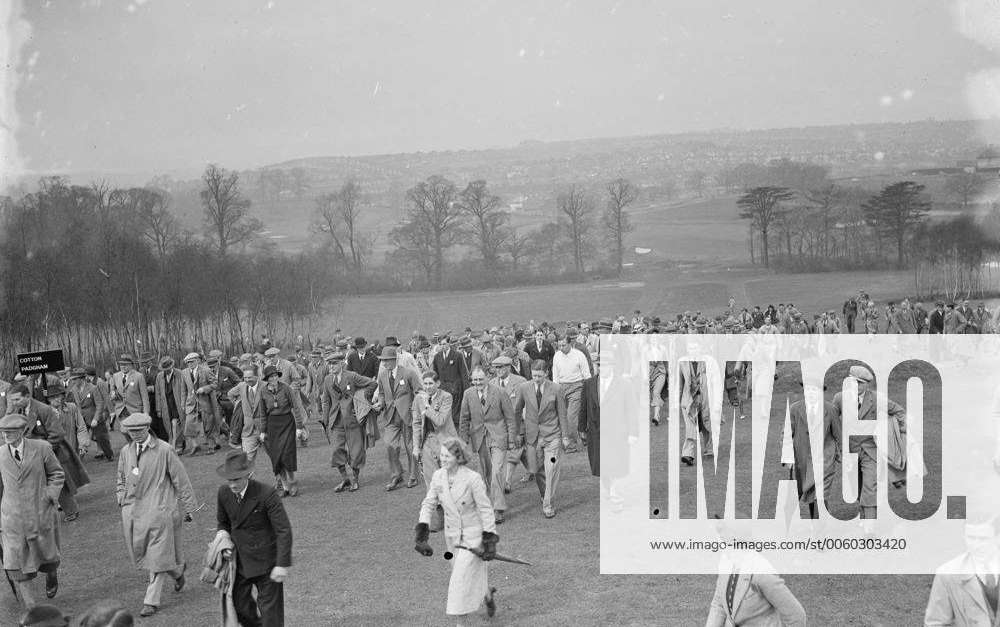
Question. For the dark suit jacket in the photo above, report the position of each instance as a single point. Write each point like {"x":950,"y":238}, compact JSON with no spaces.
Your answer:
{"x":546,"y":354}
{"x":366,"y":365}
{"x":936,"y":324}
{"x":590,"y":422}
{"x":259,"y":528}
{"x":453,"y":373}
{"x":802,"y":447}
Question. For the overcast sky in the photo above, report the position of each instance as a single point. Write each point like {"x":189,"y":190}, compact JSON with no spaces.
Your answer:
{"x":115,"y":85}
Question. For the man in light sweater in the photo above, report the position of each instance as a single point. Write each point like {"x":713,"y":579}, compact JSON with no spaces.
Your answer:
{"x":570,"y":368}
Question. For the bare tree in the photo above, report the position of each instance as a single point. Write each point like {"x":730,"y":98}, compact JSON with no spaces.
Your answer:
{"x":227,"y":213}
{"x":159,"y":226}
{"x":349,"y":204}
{"x":488,"y":223}
{"x":576,"y":208}
{"x":435,"y":213}
{"x":621,"y":194}
{"x":762,"y":206}
{"x":327,"y":220}
{"x":517,"y":246}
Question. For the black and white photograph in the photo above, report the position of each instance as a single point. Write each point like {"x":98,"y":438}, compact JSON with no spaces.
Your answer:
{"x":309,"y":311}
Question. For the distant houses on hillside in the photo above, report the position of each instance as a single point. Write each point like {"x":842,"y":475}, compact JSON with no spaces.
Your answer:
{"x":987,"y":164}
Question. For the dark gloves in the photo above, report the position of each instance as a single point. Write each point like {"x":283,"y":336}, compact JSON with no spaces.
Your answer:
{"x":489,"y":546}
{"x":423,"y":534}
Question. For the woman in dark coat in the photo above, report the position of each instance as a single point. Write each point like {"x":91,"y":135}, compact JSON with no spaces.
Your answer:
{"x":279,"y":429}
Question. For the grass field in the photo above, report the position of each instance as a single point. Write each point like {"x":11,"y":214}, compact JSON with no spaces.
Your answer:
{"x":354,"y":562}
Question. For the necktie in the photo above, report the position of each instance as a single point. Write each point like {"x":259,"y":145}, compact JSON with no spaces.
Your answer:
{"x":392,"y":384}
{"x":17,"y":455}
{"x":731,"y":590}
{"x":503,"y":383}
{"x":538,"y":395}
{"x":482,"y":398}
{"x":138,"y":452}
{"x":239,"y":499}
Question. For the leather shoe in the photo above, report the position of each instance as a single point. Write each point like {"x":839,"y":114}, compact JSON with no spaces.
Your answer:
{"x":549,"y":512}
{"x":411,"y":482}
{"x":346,"y":483}
{"x":688,"y":460}
{"x":179,"y":582}
{"x":51,"y":584}
{"x":394,"y":483}
{"x":147,"y":610}
{"x":354,"y":485}
{"x":498,"y":517}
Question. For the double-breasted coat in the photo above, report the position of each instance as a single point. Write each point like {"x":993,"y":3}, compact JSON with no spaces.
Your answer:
{"x":148,"y":490}
{"x":29,"y":495}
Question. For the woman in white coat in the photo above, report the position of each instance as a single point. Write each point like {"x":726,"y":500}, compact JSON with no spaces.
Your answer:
{"x":469,"y":529}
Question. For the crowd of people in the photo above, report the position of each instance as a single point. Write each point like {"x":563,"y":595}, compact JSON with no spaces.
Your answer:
{"x":461,"y":411}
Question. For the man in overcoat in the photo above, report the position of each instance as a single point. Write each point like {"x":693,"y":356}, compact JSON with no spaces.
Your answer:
{"x":171,"y":401}
{"x":31,"y":479}
{"x":487,"y":423}
{"x":253,"y":517}
{"x":151,"y":481}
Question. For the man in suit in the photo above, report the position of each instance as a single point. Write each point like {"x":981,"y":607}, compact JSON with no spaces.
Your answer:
{"x":93,"y":407}
{"x":246,"y":396}
{"x":509,"y":384}
{"x":171,"y":401}
{"x":474,"y":357}
{"x":202,"y":406}
{"x":431,"y":423}
{"x":225,"y":379}
{"x":361,"y":360}
{"x":543,"y":406}
{"x":748,"y":591}
{"x":487,"y":423}
{"x":449,"y":364}
{"x":935,"y":322}
{"x":33,"y":479}
{"x":850,"y":311}
{"x":397,"y":386}
{"x":540,"y":348}
{"x":253,"y":517}
{"x":864,"y":446}
{"x":964,"y":591}
{"x":148,"y":372}
{"x":317,"y":371}
{"x":348,"y":439}
{"x":128,"y":390}
{"x":694,"y":386}
{"x":813,"y":421}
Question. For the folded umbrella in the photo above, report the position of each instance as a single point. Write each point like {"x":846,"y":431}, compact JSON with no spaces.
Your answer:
{"x":498,"y":556}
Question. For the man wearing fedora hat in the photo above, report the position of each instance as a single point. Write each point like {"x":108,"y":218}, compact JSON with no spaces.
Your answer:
{"x":92,"y":401}
{"x":151,"y":480}
{"x":397,"y":387}
{"x":32,"y":478}
{"x":128,"y":390}
{"x":348,"y":437}
{"x":171,"y":401}
{"x":404,"y":357}
{"x":361,"y":360}
{"x":864,"y":446}
{"x":254,"y":518}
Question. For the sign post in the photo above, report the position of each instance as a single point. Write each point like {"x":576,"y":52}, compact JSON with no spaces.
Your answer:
{"x":41,"y":361}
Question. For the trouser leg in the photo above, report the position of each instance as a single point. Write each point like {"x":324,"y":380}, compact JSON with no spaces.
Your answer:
{"x":552,"y":464}
{"x":244,"y":603}
{"x":68,"y":502}
{"x":496,"y":464}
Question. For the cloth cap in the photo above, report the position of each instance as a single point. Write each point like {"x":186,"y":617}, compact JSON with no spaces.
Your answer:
{"x":137,"y":420}
{"x":191,"y":357}
{"x":861,"y":373}
{"x":13,"y":422}
{"x":271,"y":352}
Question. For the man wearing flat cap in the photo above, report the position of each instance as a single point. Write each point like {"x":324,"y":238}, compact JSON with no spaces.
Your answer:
{"x":317,"y":371}
{"x":128,"y":390}
{"x":202,"y":410}
{"x":171,"y":401}
{"x":32,"y":479}
{"x":864,"y":446}
{"x":225,"y":379}
{"x":252,"y":515}
{"x":347,"y":434}
{"x":151,"y":480}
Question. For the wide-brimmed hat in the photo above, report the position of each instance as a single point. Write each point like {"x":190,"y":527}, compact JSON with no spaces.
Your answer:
{"x":167,"y":362}
{"x":13,"y":422}
{"x":391,"y":341}
{"x":270,"y":370}
{"x":388,"y":352}
{"x":137,"y":420}
{"x":236,"y":466}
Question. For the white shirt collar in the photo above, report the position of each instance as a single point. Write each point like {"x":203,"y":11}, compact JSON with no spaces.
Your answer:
{"x":243,"y":492}
{"x":19,"y":448}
